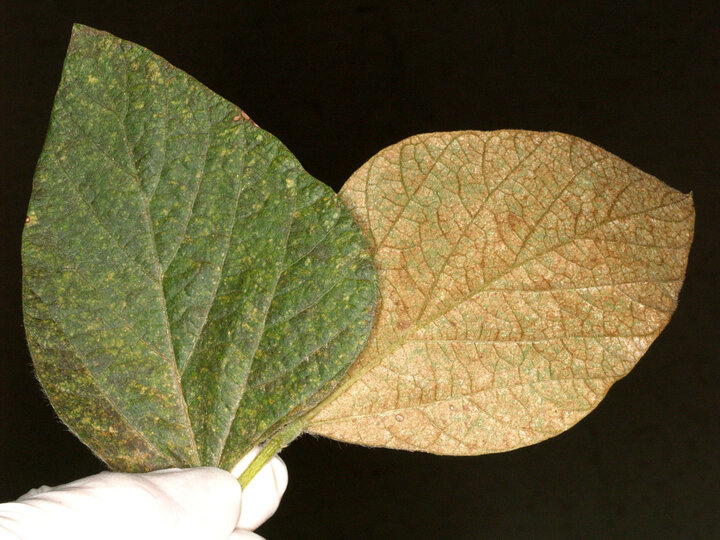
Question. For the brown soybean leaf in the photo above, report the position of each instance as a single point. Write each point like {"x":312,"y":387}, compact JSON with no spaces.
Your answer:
{"x":521,"y":275}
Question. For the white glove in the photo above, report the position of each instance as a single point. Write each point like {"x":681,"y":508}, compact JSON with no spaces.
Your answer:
{"x":174,"y":504}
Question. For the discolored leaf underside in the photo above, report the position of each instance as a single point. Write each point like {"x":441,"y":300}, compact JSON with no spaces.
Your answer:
{"x":521,"y":274}
{"x":188,"y":288}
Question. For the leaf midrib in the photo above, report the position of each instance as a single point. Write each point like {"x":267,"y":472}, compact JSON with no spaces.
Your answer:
{"x":388,"y":412}
{"x":134,"y":174}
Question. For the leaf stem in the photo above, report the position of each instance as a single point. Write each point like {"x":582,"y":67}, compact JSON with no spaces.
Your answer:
{"x":279,"y":441}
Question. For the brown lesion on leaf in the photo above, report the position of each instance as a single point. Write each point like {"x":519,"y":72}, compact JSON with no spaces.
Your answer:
{"x":242,"y":115}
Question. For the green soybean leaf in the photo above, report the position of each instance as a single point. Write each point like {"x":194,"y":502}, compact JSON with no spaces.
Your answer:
{"x":189,"y":289}
{"x":521,"y":274}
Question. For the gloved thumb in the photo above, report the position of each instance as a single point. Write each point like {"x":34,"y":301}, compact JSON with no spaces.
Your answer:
{"x":174,"y":504}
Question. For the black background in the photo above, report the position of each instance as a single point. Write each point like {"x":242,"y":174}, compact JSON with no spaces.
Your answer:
{"x":337,"y":81}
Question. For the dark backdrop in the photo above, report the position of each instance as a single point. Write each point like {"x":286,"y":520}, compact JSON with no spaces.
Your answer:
{"x":339,"y":80}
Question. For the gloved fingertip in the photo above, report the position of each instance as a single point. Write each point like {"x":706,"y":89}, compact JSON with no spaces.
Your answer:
{"x":242,"y":534}
{"x":280,"y":473}
{"x":261,"y":497}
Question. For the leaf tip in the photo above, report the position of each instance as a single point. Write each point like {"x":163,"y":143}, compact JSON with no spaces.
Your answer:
{"x":79,"y":29}
{"x":81,"y":32}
